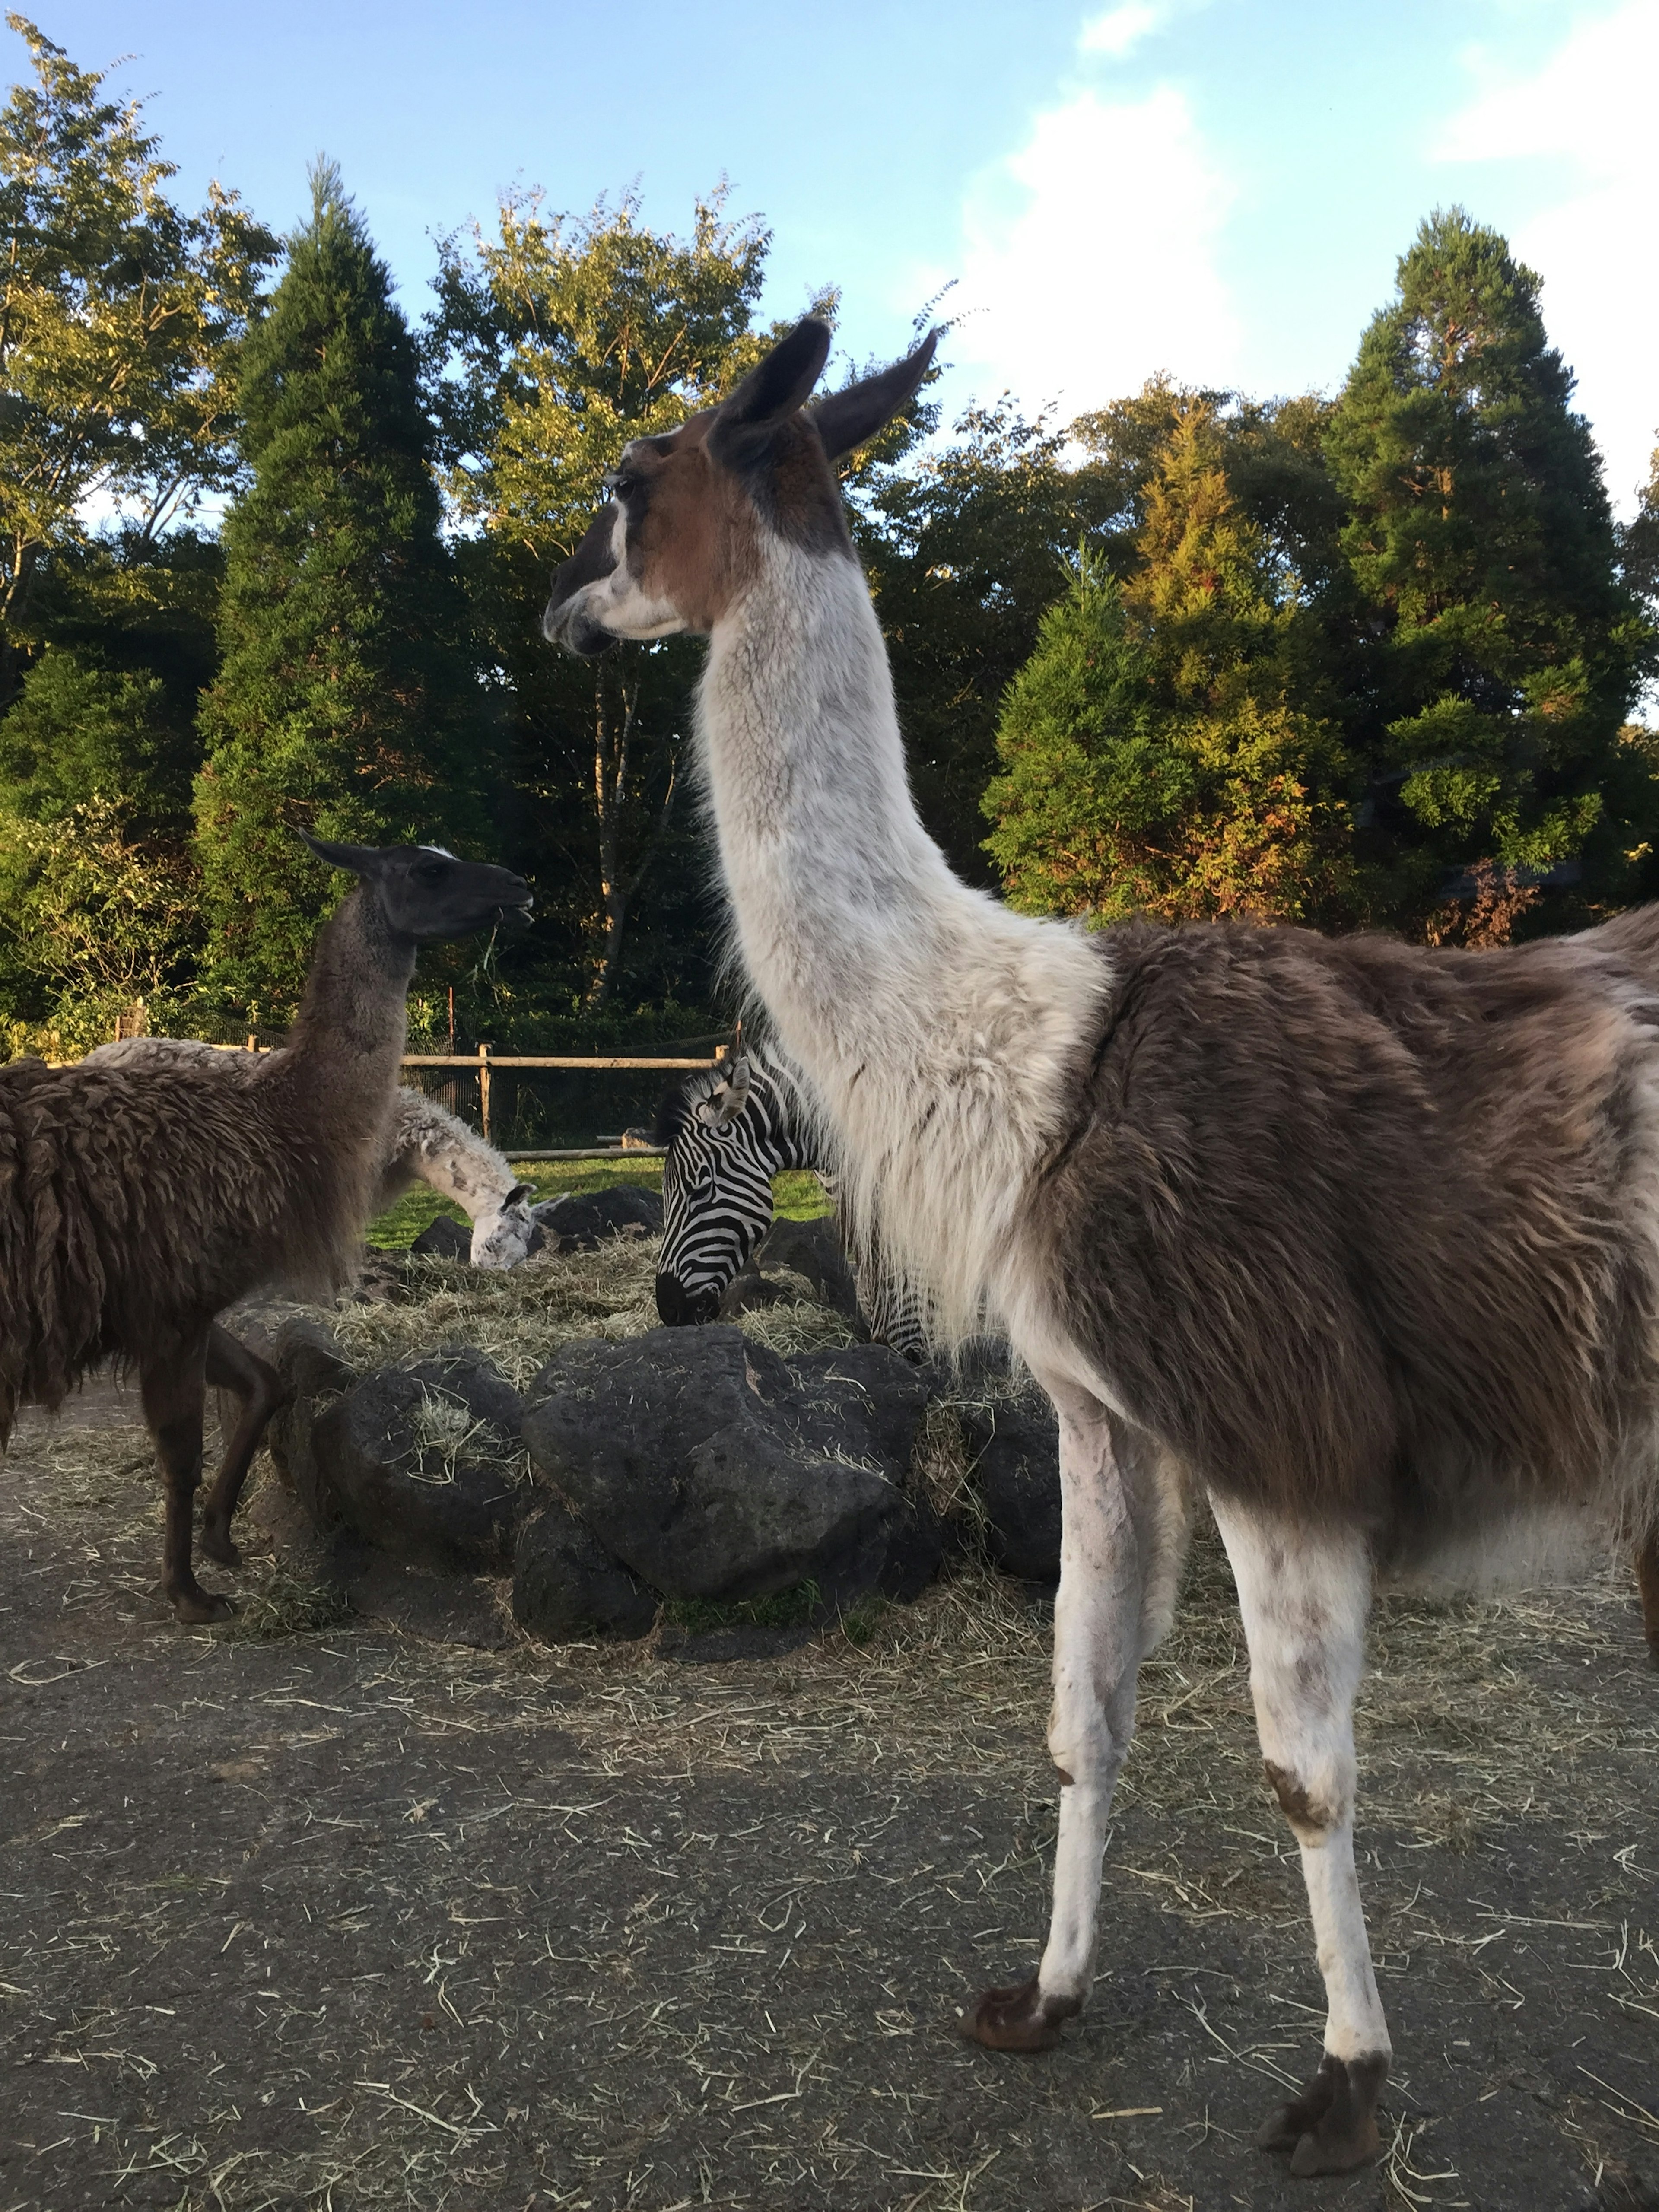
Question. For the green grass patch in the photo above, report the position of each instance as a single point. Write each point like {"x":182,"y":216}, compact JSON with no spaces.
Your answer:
{"x":398,"y":1228}
{"x":789,"y":1608}
{"x":797,"y":1195}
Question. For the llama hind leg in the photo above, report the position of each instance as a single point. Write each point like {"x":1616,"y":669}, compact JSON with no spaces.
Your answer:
{"x":1099,"y":1636}
{"x":258,"y":1391}
{"x":1305,"y":1599}
{"x":172,"y":1386}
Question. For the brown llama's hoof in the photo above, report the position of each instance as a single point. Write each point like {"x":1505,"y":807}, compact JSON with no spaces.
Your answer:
{"x":1018,"y":2019}
{"x":1331,"y":2127}
{"x":196,"y":1607}
{"x":218,"y":1545}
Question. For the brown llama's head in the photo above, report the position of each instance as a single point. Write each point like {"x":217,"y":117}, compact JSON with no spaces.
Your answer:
{"x":687,"y":514}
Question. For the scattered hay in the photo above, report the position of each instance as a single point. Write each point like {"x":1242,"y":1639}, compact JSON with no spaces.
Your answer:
{"x":519,"y":1319}
{"x":449,"y":1435}
{"x":284,"y":1603}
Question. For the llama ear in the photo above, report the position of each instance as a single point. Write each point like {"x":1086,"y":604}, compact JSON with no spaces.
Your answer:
{"x":361,"y":859}
{"x":777,"y":387}
{"x":846,"y":419}
{"x":520,"y":1194}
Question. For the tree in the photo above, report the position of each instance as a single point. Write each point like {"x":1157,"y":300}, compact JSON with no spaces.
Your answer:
{"x":560,"y":340}
{"x":349,"y":702}
{"x":1504,"y":652}
{"x":964,"y":548}
{"x":120,"y":320}
{"x":1166,"y":749}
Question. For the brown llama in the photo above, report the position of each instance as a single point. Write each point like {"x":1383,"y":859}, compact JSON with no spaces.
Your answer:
{"x":136,"y":1204}
{"x":1354,"y":1241}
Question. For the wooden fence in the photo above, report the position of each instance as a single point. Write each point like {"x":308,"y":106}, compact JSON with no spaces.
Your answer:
{"x":483,"y":1063}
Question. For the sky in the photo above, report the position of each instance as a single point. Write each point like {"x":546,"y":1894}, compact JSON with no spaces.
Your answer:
{"x":1217,"y":188}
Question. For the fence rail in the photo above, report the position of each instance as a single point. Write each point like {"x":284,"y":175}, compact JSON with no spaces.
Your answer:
{"x":483,"y":1062}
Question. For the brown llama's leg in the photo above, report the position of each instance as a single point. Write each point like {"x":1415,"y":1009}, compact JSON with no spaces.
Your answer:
{"x":1105,"y":1560}
{"x":172,"y":1387}
{"x":1647,"y":1581}
{"x":1304,"y":1596}
{"x":259,"y":1388}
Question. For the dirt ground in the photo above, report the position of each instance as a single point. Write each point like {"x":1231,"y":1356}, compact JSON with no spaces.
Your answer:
{"x":399,"y":1910}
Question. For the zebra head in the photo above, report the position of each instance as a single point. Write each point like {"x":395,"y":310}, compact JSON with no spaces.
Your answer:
{"x":727,"y":1133}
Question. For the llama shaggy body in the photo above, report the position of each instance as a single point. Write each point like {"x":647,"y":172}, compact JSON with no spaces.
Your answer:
{"x":425,"y":1143}
{"x":137,"y":1203}
{"x":1355,"y":1241}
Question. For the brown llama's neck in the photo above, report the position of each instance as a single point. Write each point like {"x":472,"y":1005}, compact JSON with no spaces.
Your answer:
{"x":348,"y":1039}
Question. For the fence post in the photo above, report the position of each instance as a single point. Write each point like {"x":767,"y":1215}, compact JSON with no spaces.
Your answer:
{"x":483,"y":1089}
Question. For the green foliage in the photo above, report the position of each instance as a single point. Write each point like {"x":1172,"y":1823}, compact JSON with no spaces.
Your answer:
{"x":561,"y":339}
{"x":349,"y":702}
{"x":963,"y":547}
{"x":118,"y":327}
{"x":1479,"y":539}
{"x":1163,"y":751}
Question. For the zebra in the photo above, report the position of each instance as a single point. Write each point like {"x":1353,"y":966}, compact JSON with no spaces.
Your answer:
{"x":726,"y":1132}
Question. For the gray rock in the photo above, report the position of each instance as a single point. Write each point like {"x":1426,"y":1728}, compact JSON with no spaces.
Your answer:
{"x":314,"y":1371}
{"x":1017,"y":1465}
{"x":420,"y":1460}
{"x":713,"y":1468}
{"x":443,"y":1239}
{"x":579,"y":1223}
{"x":566,"y":1585}
{"x":806,"y":1252}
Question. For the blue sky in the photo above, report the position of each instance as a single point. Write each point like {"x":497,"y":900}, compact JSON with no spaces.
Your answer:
{"x":1219,"y":188}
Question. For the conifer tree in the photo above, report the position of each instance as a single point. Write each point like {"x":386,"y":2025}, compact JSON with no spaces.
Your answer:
{"x":348,"y":702}
{"x":1480,"y":538}
{"x":1164,"y":750}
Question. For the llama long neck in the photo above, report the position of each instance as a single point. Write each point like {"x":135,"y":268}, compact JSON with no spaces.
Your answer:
{"x":939,"y":1029}
{"x":342,"y":1061}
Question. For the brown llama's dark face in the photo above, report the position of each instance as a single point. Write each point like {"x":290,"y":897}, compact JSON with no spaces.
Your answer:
{"x":425,"y":892}
{"x":687,"y":515}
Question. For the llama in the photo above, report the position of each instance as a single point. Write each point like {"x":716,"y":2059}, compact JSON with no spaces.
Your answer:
{"x":725,"y":1133}
{"x":428,"y":1144}
{"x":1353,"y":1241}
{"x":137,"y":1204}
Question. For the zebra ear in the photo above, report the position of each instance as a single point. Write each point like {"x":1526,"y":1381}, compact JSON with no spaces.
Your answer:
{"x":723,"y":1105}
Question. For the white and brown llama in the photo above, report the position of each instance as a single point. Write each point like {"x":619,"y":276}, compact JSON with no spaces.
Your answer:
{"x":1356,"y":1242}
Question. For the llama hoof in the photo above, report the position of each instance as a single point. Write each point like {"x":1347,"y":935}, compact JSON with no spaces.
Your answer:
{"x":1331,"y":2126}
{"x":1021,"y":2019}
{"x":217,"y":1544}
{"x":198,"y":1606}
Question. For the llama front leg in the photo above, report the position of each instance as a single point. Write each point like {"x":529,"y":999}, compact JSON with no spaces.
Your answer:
{"x":172,"y":1386}
{"x":1098,"y":1639}
{"x":1304,"y":1598}
{"x":258,"y":1389}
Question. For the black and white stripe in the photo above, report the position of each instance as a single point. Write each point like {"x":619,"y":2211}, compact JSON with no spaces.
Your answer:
{"x":727,"y":1133}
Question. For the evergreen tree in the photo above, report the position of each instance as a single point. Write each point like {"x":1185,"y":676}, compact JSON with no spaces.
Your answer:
{"x":1165,"y":749}
{"x":563,"y":339}
{"x":1506,"y":653}
{"x":349,"y":702}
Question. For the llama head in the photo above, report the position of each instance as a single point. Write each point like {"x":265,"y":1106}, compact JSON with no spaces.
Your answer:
{"x":687,"y":514}
{"x":500,"y":1239}
{"x":425,"y":892}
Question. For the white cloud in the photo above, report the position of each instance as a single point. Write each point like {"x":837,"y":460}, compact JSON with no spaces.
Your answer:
{"x":1588,"y":107}
{"x":1089,"y":255}
{"x":1121,"y":29}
